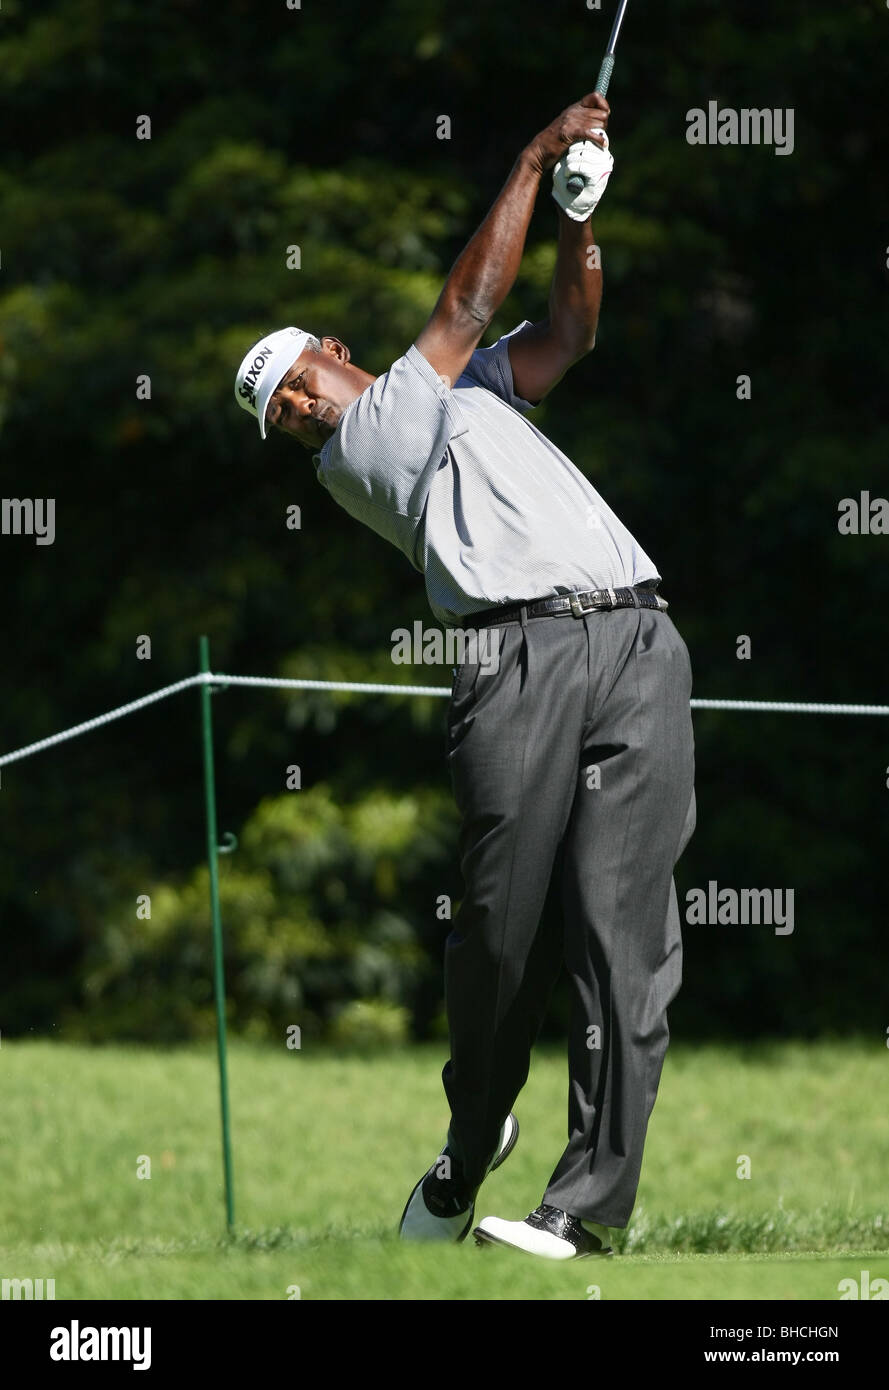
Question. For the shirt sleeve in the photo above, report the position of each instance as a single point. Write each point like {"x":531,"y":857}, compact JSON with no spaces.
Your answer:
{"x":392,"y":439}
{"x":490,"y":367}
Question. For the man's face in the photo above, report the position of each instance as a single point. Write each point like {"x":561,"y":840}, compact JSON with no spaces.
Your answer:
{"x":313,"y":394}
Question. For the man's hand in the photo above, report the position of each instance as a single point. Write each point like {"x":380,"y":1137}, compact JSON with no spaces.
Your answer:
{"x":582,"y":121}
{"x":594,"y":165}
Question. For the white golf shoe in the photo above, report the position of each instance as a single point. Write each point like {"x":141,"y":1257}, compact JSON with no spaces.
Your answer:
{"x":548,"y":1232}
{"x":441,"y":1207}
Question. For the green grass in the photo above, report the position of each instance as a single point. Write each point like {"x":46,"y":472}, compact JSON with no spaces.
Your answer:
{"x":326,"y":1149}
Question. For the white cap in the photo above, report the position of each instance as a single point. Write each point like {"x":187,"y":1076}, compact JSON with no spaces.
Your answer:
{"x":262,"y":370}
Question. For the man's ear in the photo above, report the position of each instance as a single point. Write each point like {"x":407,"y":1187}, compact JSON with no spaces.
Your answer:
{"x":335,"y":348}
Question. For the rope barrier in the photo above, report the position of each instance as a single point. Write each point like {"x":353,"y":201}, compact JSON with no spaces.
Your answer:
{"x":375,"y":688}
{"x":100,"y":719}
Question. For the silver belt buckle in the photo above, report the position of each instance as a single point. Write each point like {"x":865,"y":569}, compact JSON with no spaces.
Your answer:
{"x":577,"y":608}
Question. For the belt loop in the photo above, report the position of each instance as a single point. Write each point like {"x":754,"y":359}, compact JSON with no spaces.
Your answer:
{"x":636,"y":603}
{"x":523,"y":616}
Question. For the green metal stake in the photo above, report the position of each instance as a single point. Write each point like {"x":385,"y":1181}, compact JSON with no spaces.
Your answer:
{"x":218,"y":973}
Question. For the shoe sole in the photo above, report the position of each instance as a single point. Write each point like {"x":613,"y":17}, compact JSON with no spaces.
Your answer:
{"x":483,"y":1238}
{"x":501,"y":1158}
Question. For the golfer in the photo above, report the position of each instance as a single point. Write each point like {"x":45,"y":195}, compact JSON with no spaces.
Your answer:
{"x":571,"y":755}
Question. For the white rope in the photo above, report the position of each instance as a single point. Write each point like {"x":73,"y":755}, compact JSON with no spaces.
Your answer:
{"x":100,"y":719}
{"x":773,"y":706}
{"x":789,"y":707}
{"x":366,"y":688}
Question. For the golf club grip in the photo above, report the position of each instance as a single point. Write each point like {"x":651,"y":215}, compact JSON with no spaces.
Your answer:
{"x":576,"y":183}
{"x":605,"y":72}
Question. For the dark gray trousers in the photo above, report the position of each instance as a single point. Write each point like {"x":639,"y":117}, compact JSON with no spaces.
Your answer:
{"x":576,"y":754}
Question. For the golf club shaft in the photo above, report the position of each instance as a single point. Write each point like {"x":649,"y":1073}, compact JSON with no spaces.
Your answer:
{"x":576,"y":182}
{"x":607,"y":67}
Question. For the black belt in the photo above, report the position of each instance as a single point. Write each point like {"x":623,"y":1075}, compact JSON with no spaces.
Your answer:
{"x":577,"y":604}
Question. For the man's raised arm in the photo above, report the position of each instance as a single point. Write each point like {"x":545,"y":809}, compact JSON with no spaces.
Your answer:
{"x":541,"y":354}
{"x":485,"y":271}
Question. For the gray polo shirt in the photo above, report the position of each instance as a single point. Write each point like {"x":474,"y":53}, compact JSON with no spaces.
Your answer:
{"x":480,"y":502}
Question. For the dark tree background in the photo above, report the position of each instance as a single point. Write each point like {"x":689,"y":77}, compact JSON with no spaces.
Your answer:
{"x":315,"y":127}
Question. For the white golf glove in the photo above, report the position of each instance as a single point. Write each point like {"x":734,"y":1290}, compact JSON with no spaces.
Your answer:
{"x":594,"y":164}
